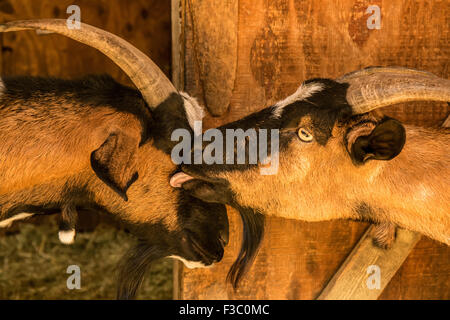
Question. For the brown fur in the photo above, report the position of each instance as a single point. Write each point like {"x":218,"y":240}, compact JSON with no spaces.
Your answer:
{"x":316,"y":183}
{"x":89,"y":144}
{"x":54,"y":153}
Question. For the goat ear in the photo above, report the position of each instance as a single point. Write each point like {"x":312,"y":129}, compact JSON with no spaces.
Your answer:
{"x":384,"y":143}
{"x":115,"y":162}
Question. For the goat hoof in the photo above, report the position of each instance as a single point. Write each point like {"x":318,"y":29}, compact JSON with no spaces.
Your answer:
{"x":67,"y":236}
{"x":384,"y":235}
{"x":383,"y":244}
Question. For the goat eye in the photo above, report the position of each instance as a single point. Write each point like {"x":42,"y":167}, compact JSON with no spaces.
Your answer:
{"x":304,"y":135}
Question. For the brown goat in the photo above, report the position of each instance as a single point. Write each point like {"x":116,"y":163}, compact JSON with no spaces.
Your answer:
{"x":94,"y":144}
{"x":331,"y":152}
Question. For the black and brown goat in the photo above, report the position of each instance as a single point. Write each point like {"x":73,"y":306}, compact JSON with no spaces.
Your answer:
{"x":92,"y":143}
{"x":332,"y":143}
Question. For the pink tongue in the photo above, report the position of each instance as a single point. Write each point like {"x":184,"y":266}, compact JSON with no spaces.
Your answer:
{"x":179,"y":178}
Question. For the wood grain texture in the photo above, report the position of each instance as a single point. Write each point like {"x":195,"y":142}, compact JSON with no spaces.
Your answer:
{"x":140,"y":22}
{"x":214,"y":30}
{"x":177,"y":23}
{"x":178,"y":46}
{"x":350,"y":281}
{"x":280,"y":44}
{"x":425,"y":275}
{"x":295,"y":259}
{"x":446,"y":123}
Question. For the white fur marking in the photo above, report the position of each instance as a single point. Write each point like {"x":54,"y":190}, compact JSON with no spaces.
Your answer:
{"x":303,"y":92}
{"x":194,"y":111}
{"x":67,"y":236}
{"x":190,"y":264}
{"x":376,"y":173}
{"x":8,"y":222}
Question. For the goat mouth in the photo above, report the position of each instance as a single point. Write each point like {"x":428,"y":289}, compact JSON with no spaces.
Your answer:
{"x":187,"y":173}
{"x":207,"y":256}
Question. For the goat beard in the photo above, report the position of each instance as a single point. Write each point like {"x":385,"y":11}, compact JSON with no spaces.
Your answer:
{"x":133,"y":267}
{"x":252,"y":234}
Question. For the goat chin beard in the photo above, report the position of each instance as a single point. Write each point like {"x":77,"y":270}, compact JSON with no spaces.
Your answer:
{"x":179,"y":178}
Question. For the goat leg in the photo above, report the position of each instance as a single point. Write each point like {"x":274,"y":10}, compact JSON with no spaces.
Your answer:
{"x":69,"y":217}
{"x":384,"y":234}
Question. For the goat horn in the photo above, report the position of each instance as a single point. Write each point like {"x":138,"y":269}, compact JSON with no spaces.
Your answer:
{"x":154,"y":86}
{"x":376,"y":87}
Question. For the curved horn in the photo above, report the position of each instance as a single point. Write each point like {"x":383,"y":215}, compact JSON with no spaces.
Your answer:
{"x":147,"y":77}
{"x":376,"y":87}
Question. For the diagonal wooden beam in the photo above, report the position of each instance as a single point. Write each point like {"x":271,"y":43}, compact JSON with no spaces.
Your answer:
{"x":446,"y":123}
{"x":350,"y":281}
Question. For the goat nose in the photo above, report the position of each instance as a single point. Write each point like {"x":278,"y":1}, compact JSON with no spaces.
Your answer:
{"x":224,"y":237}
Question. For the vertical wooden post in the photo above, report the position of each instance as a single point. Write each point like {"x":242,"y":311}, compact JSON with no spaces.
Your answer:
{"x":177,"y":11}
{"x":280,"y":44}
{"x":177,"y":14}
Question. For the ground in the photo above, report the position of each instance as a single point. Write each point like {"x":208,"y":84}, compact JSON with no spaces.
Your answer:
{"x":33,"y":263}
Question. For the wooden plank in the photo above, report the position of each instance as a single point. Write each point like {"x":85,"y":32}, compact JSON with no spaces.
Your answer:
{"x":177,"y":15}
{"x":140,"y":22}
{"x":280,"y":44}
{"x":214,"y":30}
{"x":425,"y":275}
{"x":446,"y":123}
{"x":350,"y":281}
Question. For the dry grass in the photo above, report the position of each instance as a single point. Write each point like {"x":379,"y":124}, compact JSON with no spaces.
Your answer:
{"x":33,"y":264}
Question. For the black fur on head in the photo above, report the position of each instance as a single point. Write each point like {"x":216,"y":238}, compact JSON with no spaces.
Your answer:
{"x":200,"y":237}
{"x":90,"y":91}
{"x":324,"y":107}
{"x":252,"y":222}
{"x":167,"y":117}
